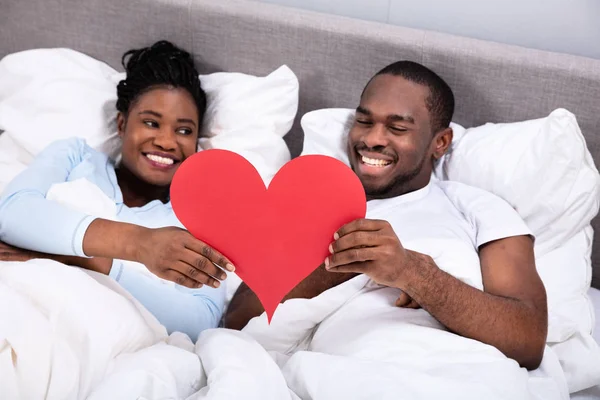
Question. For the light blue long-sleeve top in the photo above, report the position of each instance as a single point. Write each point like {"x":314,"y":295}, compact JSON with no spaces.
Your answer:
{"x":29,"y":221}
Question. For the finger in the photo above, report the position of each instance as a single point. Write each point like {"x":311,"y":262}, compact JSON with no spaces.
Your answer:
{"x":350,"y":256}
{"x":413,"y":304}
{"x":356,"y":268}
{"x":180,"y":279}
{"x":403,"y":300}
{"x":200,"y":264}
{"x":360,"y":225}
{"x":213,"y":255}
{"x":355,"y":239}
{"x":196,"y":275}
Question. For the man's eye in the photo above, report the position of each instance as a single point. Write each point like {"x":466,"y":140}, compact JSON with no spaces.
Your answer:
{"x":397,"y":129}
{"x":151,"y":124}
{"x":363,"y":122}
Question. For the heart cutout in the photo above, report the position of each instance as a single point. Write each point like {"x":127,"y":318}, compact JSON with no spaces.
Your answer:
{"x":275,"y":237}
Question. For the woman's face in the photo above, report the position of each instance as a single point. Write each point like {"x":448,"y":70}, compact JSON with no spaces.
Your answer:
{"x":159,"y":133}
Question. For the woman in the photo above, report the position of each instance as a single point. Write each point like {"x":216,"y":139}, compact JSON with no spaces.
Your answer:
{"x":160,"y":109}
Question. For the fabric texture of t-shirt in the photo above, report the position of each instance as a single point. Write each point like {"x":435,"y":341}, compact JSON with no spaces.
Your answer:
{"x":449,"y":221}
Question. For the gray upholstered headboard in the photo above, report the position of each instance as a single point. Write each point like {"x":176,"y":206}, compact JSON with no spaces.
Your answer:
{"x":332,"y":56}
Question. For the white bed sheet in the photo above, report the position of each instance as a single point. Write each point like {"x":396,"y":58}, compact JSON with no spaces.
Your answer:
{"x":592,"y":393}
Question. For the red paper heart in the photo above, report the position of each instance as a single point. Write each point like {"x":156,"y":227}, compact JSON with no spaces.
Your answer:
{"x":274,"y":237}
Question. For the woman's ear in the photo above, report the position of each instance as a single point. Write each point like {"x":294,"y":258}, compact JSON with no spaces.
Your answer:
{"x":442,"y":142}
{"x":121,"y":124}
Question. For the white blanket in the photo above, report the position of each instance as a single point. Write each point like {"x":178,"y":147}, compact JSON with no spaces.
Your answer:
{"x":70,"y":334}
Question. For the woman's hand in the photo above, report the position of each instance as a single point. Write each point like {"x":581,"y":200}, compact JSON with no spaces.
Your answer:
{"x":174,"y":254}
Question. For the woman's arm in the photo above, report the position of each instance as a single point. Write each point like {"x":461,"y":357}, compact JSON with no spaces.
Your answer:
{"x":28,"y":220}
{"x":177,"y":308}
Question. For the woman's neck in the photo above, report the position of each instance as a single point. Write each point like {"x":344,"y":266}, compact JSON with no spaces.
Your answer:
{"x":137,"y":193}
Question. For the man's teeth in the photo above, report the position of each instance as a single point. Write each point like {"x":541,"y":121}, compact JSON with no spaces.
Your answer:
{"x":159,"y":159}
{"x":373,"y":162}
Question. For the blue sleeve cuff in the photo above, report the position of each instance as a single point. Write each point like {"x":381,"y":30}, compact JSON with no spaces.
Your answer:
{"x":79,"y":234}
{"x":116,"y":270}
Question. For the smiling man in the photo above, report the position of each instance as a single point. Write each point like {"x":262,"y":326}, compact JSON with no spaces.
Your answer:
{"x":462,"y":254}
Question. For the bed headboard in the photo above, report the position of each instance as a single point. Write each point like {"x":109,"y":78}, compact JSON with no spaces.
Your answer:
{"x":332,"y":56}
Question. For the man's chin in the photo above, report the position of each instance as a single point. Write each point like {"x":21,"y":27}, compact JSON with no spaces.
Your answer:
{"x":373,"y":189}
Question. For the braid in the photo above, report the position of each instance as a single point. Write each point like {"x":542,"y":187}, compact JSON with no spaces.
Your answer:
{"x":162,"y":64}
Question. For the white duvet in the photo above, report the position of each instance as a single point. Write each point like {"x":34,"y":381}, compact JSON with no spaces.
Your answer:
{"x":70,"y":334}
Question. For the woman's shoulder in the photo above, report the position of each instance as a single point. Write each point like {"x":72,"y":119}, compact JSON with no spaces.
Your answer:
{"x":72,"y":151}
{"x":73,"y":145}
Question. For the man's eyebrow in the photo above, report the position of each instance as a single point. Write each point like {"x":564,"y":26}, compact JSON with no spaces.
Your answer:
{"x":401,"y":118}
{"x":157,"y":115}
{"x":390,"y":118}
{"x":363,"y":110}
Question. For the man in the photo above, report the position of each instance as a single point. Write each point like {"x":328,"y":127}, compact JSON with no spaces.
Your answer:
{"x":401,"y":128}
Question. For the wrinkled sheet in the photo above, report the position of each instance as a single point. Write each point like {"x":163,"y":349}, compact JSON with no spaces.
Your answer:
{"x":66,"y":333}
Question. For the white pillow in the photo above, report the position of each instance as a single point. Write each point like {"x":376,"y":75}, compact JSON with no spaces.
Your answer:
{"x":544,"y":170}
{"x":51,"y":94}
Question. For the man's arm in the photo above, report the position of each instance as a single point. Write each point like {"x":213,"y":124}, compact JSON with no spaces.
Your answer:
{"x":510,"y":315}
{"x":245,"y":305}
{"x":12,"y":253}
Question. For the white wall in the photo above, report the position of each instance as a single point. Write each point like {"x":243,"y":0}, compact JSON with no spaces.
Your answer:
{"x":566,"y":26}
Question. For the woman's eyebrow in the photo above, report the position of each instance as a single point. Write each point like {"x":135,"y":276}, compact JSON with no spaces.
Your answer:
{"x":154,"y":113}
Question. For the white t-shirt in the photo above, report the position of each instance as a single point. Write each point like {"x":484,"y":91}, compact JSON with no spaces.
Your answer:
{"x":449,"y":221}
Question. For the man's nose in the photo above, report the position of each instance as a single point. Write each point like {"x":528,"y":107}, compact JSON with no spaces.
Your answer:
{"x":376,"y":136}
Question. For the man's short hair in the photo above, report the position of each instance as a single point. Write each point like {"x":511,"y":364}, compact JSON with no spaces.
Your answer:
{"x":440,"y":101}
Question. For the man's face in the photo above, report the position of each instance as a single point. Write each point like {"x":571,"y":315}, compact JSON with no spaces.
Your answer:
{"x":389,"y":142}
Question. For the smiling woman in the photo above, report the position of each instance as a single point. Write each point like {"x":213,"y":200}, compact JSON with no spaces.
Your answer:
{"x":160,"y":109}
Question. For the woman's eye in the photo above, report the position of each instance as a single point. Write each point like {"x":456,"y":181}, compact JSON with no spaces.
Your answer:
{"x":151,"y":124}
{"x":185,"y":131}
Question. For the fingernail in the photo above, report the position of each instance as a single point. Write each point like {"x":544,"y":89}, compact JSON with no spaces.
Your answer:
{"x":230,"y":267}
{"x":331,"y":248}
{"x":216,"y":284}
{"x":222,"y":276}
{"x":336,"y":236}
{"x":327,"y":263}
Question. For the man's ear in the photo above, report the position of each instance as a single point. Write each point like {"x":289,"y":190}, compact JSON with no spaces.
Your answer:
{"x":442,"y":142}
{"x":121,"y":123}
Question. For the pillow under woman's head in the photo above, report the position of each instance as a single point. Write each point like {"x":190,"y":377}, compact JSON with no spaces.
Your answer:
{"x":52,"y":94}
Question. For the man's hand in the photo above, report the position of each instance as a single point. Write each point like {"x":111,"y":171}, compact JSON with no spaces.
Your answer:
{"x":11,"y":253}
{"x":405,"y":301}
{"x":174,"y":254}
{"x":371,"y":247}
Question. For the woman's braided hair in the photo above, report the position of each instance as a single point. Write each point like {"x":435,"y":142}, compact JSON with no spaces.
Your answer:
{"x":162,"y":64}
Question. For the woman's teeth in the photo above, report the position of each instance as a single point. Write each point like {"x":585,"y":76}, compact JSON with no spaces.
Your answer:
{"x":373,"y":162}
{"x":159,"y":159}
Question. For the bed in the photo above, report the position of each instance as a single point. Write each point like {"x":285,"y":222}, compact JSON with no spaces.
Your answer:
{"x":331,"y":56}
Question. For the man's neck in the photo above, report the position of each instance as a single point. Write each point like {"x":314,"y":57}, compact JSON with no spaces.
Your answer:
{"x":137,"y":193}
{"x":401,"y":189}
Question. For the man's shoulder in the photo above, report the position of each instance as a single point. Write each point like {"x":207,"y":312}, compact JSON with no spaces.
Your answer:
{"x":491,"y":216}
{"x":459,"y":190}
